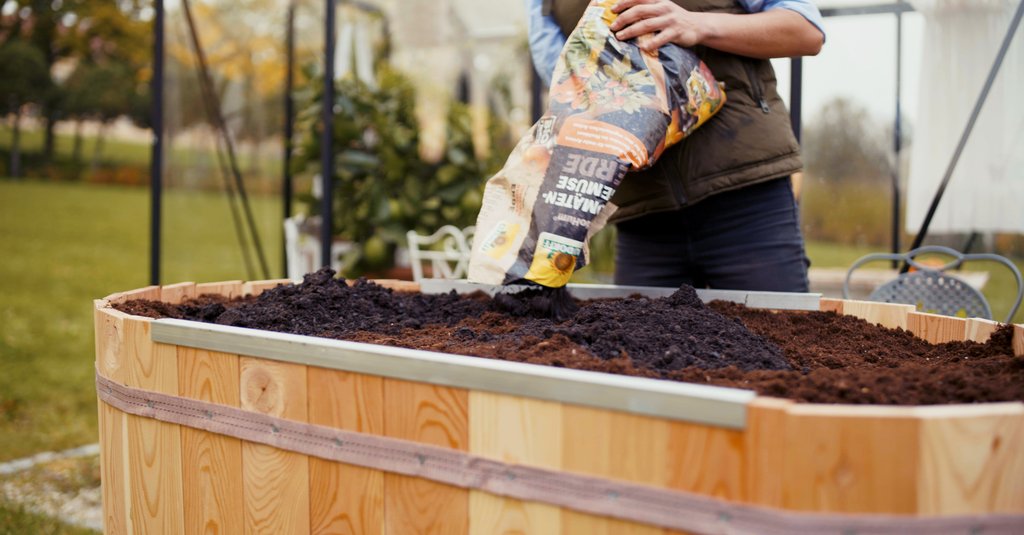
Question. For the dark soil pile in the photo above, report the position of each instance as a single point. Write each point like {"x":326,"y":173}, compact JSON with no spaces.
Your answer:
{"x":808,"y":356}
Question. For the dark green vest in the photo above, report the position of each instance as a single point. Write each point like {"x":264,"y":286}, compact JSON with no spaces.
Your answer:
{"x":750,"y":140}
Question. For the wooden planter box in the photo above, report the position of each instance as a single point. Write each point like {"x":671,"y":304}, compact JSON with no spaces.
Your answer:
{"x":936,"y":462}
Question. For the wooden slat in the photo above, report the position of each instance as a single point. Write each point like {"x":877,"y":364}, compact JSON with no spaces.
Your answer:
{"x":980,"y":330}
{"x":109,"y":325}
{"x":521,"y":431}
{"x":258,"y":287}
{"x":176,"y":293}
{"x":275,"y":482}
{"x":971,"y":460}
{"x":223,"y":288}
{"x":616,"y":445}
{"x":1018,"y":340}
{"x":936,"y":329}
{"x":850,"y":459}
{"x":885,"y":314}
{"x":149,"y":292}
{"x":433,"y":415}
{"x":211,"y":463}
{"x":154,"y":447}
{"x":765,"y":445}
{"x":346,"y":499}
{"x":831,"y":305}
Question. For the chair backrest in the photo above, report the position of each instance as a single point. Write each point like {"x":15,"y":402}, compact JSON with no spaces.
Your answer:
{"x":931,"y":288}
{"x":447,"y":250}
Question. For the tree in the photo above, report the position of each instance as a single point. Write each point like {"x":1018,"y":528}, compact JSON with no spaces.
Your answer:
{"x":101,"y":92}
{"x":844,"y":144}
{"x":24,"y":79}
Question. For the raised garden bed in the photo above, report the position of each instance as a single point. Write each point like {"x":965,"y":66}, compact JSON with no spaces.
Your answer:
{"x":727,"y":446}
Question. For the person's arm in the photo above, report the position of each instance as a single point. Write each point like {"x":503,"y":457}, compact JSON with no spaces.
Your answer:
{"x":773,"y":33}
{"x":546,"y":40}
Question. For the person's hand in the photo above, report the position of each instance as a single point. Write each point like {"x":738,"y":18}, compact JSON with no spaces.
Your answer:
{"x":667,"y":21}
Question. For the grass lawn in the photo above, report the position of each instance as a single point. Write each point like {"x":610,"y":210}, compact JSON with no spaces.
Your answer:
{"x":113,"y":151}
{"x":66,"y":244}
{"x":15,"y":520}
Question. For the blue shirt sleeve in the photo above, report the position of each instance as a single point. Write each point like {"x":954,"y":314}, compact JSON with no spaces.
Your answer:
{"x":546,"y":40}
{"x":803,"y":7}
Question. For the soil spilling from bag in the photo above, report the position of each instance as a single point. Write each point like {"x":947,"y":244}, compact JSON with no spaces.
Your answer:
{"x":816,"y":357}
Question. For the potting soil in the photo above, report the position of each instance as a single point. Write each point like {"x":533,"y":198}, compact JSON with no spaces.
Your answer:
{"x":807,"y":356}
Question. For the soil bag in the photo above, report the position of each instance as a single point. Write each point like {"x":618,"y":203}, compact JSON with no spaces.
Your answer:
{"x":613,"y":108}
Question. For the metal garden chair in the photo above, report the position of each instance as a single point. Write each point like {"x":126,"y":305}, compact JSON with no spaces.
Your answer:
{"x":932,"y":288}
{"x":450,"y":262}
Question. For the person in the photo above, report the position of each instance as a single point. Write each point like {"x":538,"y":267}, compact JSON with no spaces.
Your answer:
{"x":717,"y":210}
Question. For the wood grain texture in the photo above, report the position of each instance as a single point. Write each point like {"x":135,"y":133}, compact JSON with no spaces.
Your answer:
{"x":109,"y":327}
{"x":616,"y":445}
{"x":850,"y":459}
{"x":885,"y":314}
{"x":346,"y":499}
{"x":831,"y":305}
{"x":432,"y":415}
{"x":971,"y":459}
{"x":275,"y":482}
{"x":258,"y":287}
{"x":520,"y":431}
{"x":980,"y":330}
{"x":1018,"y":340}
{"x":176,"y":293}
{"x":764,"y":448}
{"x":149,"y":292}
{"x":211,"y":463}
{"x":154,"y":447}
{"x":223,"y":288}
{"x":936,"y":329}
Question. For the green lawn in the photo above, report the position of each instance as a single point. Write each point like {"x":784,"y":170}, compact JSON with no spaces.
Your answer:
{"x":66,"y":244}
{"x":114,"y":150}
{"x":15,"y":520}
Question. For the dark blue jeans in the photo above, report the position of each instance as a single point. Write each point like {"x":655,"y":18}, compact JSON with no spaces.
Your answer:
{"x":745,"y":239}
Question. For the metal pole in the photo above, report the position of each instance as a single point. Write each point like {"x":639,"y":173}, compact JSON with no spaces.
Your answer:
{"x":1010,"y":32}
{"x":897,"y":140}
{"x":796,"y":92}
{"x":327,"y":139}
{"x":289,"y":129}
{"x":156,"y":157}
{"x":536,"y":97}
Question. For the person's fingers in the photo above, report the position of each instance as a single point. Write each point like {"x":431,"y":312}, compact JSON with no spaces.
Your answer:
{"x":634,"y":15}
{"x":659,"y":40}
{"x":626,"y":4}
{"x":642,"y":27}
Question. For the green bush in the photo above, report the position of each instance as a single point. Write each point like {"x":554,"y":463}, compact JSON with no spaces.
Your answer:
{"x":383,"y":187}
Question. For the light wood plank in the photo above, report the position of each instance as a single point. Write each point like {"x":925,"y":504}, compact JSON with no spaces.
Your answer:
{"x":765,"y":444}
{"x":432,"y":415}
{"x":850,"y":459}
{"x":889,"y":315}
{"x":154,"y":447}
{"x":971,"y":460}
{"x":109,"y":327}
{"x":1018,"y":340}
{"x":176,"y":293}
{"x":223,"y":288}
{"x":616,"y":445}
{"x":936,"y":329}
{"x":520,"y":431}
{"x":211,"y":463}
{"x":149,"y":292}
{"x":276,"y":482}
{"x":831,"y":305}
{"x":980,"y":330}
{"x":257,"y":287}
{"x":346,"y":499}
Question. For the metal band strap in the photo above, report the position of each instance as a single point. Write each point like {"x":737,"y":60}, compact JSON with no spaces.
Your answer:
{"x":666,"y":508}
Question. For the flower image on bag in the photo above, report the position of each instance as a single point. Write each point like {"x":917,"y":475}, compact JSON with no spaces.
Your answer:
{"x":613,"y":108}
